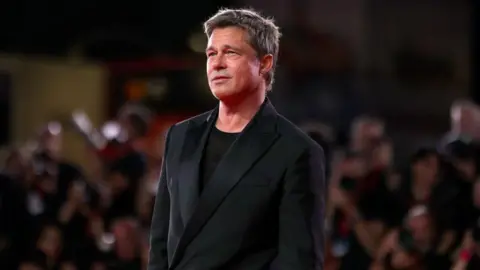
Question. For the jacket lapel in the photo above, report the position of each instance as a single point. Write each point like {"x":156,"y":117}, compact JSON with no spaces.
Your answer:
{"x":249,"y":147}
{"x":190,"y":161}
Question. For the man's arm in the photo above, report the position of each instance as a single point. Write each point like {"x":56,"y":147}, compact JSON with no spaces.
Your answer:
{"x":158,"y":256}
{"x":301,"y":214}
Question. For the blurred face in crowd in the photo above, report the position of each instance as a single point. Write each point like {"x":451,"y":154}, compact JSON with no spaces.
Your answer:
{"x":50,"y":241}
{"x":464,"y":119}
{"x":233,"y":68}
{"x":382,"y":155}
{"x":420,"y":227}
{"x":365,"y":132}
{"x":354,"y":167}
{"x":426,"y":169}
{"x":127,"y":239}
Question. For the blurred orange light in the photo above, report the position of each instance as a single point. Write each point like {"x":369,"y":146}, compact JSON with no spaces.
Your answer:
{"x":136,"y":89}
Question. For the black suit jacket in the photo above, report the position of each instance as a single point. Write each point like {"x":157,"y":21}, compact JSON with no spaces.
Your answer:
{"x":263,"y":207}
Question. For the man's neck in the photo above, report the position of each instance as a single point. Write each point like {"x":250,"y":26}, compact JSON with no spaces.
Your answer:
{"x":234,"y":117}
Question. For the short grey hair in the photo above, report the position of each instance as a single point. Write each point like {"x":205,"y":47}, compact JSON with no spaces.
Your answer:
{"x":263,"y":34}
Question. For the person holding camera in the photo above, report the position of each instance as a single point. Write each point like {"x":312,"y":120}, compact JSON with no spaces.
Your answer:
{"x":417,"y":244}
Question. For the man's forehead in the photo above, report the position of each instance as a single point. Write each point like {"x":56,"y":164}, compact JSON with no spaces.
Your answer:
{"x":227,"y":37}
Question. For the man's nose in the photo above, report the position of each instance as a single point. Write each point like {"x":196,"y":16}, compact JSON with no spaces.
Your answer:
{"x":218,"y":62}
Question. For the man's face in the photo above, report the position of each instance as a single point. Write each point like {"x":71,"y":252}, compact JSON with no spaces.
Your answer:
{"x":232,"y":64}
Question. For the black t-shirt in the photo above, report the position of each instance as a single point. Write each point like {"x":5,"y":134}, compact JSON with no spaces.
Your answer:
{"x":217,"y":145}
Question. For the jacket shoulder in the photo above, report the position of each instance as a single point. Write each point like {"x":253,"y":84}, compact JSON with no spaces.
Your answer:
{"x":182,"y":125}
{"x":294,"y":134}
{"x":197,"y":118}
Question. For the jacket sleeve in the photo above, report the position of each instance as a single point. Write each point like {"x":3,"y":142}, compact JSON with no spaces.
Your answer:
{"x":301,"y":214}
{"x":158,"y":256}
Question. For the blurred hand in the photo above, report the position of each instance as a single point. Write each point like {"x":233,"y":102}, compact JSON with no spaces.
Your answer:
{"x":66,"y":212}
{"x":81,"y":121}
{"x":97,"y":226}
{"x":344,"y":203}
{"x":338,"y":197}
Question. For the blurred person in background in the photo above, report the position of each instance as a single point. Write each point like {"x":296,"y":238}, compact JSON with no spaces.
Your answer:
{"x":428,"y":182}
{"x":47,"y":249}
{"x":128,"y":244}
{"x":418,"y":182}
{"x":365,"y":131}
{"x":465,"y":127}
{"x":461,"y":173}
{"x":356,"y":214}
{"x":123,"y":165}
{"x":130,"y":166}
{"x":202,"y":217}
{"x":468,"y":254}
{"x":36,"y":193}
{"x":54,"y":174}
{"x":464,"y":118}
{"x":18,"y":189}
{"x":126,"y":155}
{"x":416,"y":244}
{"x":400,"y":248}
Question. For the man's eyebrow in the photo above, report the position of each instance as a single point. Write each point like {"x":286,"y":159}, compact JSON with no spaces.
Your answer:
{"x":211,"y":48}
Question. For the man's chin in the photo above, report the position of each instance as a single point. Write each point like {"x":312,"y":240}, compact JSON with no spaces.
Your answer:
{"x":222,"y":94}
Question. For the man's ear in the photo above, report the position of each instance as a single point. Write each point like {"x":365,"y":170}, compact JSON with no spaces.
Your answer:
{"x":266,"y":64}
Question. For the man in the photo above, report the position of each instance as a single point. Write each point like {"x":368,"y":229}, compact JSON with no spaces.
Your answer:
{"x":241,"y":187}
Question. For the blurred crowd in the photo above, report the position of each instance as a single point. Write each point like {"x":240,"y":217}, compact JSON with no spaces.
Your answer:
{"x":419,"y":214}
{"x":55,"y":215}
